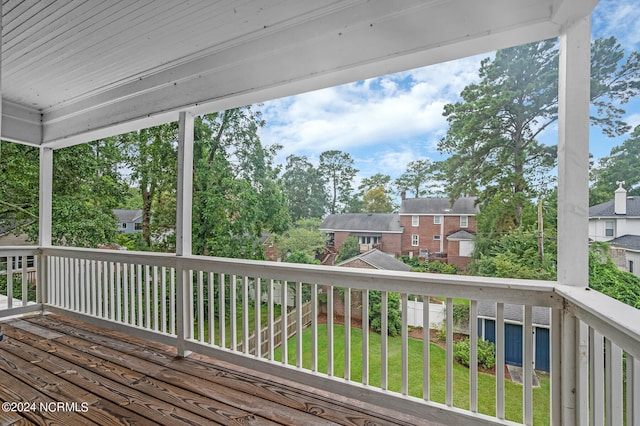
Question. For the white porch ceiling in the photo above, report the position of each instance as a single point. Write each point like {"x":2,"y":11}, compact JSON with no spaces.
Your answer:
{"x":78,"y":70}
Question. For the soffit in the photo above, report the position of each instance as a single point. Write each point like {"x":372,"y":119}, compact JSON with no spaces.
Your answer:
{"x":76,"y":70}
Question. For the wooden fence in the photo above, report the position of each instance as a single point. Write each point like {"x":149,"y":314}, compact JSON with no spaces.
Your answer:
{"x":292,"y":318}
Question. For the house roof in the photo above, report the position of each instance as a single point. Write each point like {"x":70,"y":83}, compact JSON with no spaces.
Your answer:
{"x":541,"y":315}
{"x":127,"y":215}
{"x":363,"y":222}
{"x":378,"y":260}
{"x":608,"y":209}
{"x":439,"y":206}
{"x":461,"y":235}
{"x":630,"y":242}
{"x":79,"y":70}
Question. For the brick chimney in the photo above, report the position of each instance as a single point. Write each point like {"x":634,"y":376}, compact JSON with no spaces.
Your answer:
{"x":620,"y":201}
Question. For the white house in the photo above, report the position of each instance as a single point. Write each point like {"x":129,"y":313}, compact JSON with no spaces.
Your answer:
{"x":618,"y":222}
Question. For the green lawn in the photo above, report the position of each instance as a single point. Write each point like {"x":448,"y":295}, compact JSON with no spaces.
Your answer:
{"x":486,"y":382}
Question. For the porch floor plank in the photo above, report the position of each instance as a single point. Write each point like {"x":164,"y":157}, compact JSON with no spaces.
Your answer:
{"x":127,"y":380}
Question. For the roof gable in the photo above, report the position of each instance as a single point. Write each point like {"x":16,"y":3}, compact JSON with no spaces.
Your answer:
{"x":379,"y":260}
{"x":127,"y":215}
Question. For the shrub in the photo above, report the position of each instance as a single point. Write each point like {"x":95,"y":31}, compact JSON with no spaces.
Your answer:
{"x":394,"y":322}
{"x":442,"y":268}
{"x":486,"y":353}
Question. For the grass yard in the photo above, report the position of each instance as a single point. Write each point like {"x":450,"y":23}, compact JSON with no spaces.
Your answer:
{"x":486,"y":382}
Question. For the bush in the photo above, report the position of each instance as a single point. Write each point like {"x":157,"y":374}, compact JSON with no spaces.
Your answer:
{"x":394,"y":316}
{"x":486,"y":353}
{"x":442,"y":268}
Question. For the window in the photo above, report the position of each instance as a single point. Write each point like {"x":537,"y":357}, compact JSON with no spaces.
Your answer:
{"x":415,"y":240}
{"x":415,"y":220}
{"x":124,"y":226}
{"x":436,"y":237}
{"x":631,"y":266}
{"x":464,"y":221}
{"x":137,"y":226}
{"x":437,"y":220}
{"x":608,"y":228}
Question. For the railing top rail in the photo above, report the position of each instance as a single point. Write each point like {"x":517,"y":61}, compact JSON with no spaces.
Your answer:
{"x":539,"y":293}
{"x":617,"y":321}
{"x":18,"y":251}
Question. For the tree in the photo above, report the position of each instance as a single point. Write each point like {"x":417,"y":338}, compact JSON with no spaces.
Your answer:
{"x":236,"y":197}
{"x":349,"y":248}
{"x":622,"y":165}
{"x":376,"y":200}
{"x":304,"y":188}
{"x":337,"y":170}
{"x":153,"y":160}
{"x":493,"y":135}
{"x":416,"y":177}
{"x":375,"y":181}
{"x":303,"y":237}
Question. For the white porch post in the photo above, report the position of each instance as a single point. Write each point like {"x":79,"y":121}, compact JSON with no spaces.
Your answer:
{"x":184,"y":304}
{"x":573,"y":207}
{"x":44,"y":219}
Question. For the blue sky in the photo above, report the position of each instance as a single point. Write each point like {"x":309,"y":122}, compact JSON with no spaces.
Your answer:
{"x":386,"y":122}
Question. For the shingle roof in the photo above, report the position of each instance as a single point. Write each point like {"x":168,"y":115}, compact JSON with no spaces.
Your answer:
{"x":460,"y":235}
{"x":379,"y":260}
{"x":541,"y":315}
{"x":367,"y":222}
{"x":631,"y":242}
{"x":608,"y":209}
{"x":439,"y":206}
{"x":127,"y":215}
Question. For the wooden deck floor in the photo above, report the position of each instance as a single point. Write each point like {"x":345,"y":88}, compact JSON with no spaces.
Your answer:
{"x":124,"y":380}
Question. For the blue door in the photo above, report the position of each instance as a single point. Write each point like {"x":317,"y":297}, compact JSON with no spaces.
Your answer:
{"x":513,"y":344}
{"x":490,"y":330}
{"x":543,"y":358}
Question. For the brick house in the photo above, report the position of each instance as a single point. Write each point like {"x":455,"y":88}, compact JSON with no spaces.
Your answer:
{"x":373,"y":230}
{"x":435,"y":229}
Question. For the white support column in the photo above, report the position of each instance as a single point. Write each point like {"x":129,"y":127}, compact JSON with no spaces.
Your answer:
{"x":185,"y":184}
{"x":573,"y":154}
{"x":184,"y":203}
{"x":46,"y":196}
{"x":573,"y":200}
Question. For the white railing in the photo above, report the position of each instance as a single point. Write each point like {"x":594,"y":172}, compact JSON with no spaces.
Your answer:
{"x":212,"y":306}
{"x":18,"y":278}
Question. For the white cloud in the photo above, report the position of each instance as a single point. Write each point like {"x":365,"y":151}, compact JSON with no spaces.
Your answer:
{"x":633,"y":120}
{"x":373,"y":120}
{"x":619,"y":18}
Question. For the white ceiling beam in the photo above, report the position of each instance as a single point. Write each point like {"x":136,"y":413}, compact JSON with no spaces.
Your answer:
{"x":21,"y":124}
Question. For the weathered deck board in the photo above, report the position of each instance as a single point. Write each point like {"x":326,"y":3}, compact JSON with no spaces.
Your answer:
{"x":127,"y":380}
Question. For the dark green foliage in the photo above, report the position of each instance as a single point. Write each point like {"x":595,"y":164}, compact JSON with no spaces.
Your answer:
{"x":608,"y":279}
{"x":442,"y":268}
{"x":622,"y":164}
{"x":393,"y":309}
{"x":486,"y":353}
{"x":336,"y":168}
{"x":303,"y":185}
{"x":301,"y":257}
{"x":349,"y":248}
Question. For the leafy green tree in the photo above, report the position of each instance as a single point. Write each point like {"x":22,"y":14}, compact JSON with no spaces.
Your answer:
{"x":87,"y":185}
{"x":304,"y":188}
{"x":18,"y":185}
{"x":375,"y":181}
{"x":622,"y":165}
{"x":394,"y":317}
{"x":493,"y":136}
{"x":153,"y":160}
{"x":349,"y":248}
{"x":377,"y":200}
{"x":416,"y":178}
{"x":301,"y":257}
{"x":303,"y":237}
{"x":607,"y":278}
{"x":337,"y":170}
{"x":236,"y":197}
